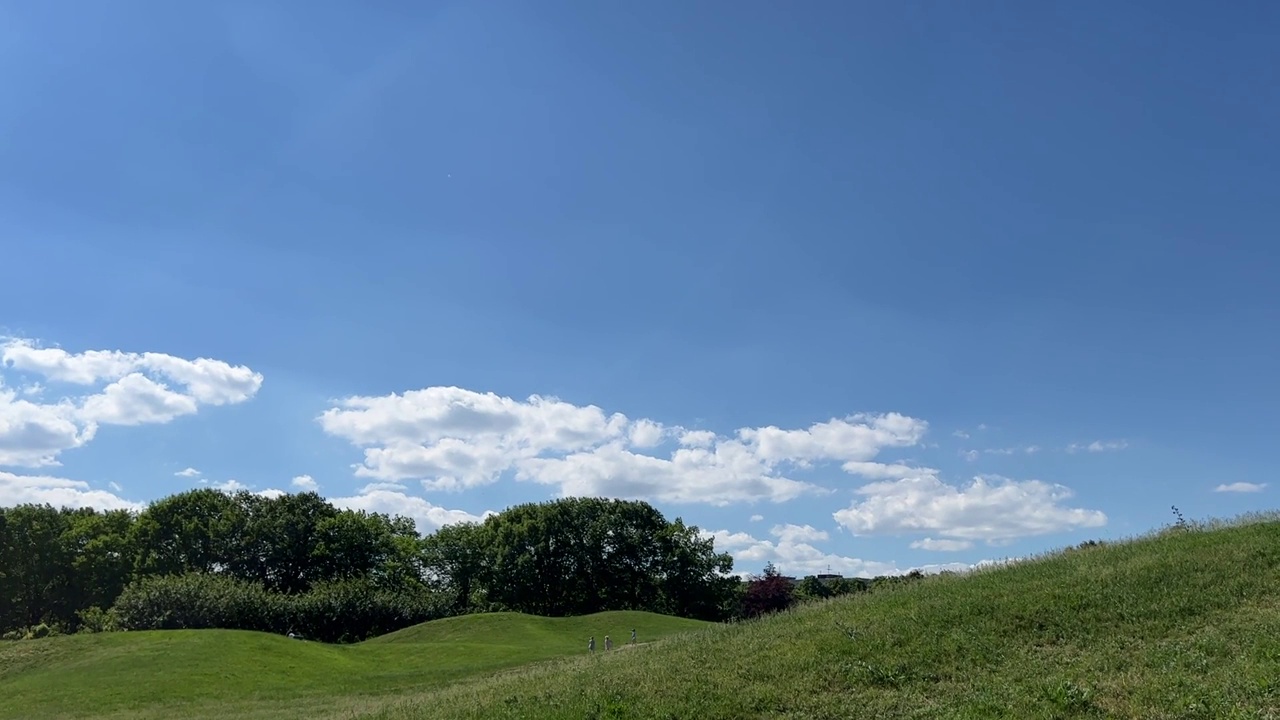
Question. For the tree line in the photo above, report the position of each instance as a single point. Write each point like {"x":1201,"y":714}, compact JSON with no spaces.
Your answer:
{"x":297,"y":564}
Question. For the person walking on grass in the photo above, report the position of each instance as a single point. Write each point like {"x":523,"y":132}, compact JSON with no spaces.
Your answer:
{"x":591,"y":645}
{"x":633,"y":636}
{"x":608,"y":644}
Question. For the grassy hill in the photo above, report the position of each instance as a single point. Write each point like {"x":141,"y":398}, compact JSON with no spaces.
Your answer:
{"x":229,"y":673}
{"x":1184,"y":624}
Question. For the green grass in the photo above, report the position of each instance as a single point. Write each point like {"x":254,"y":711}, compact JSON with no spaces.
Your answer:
{"x":1183,"y":624}
{"x":228,"y":673}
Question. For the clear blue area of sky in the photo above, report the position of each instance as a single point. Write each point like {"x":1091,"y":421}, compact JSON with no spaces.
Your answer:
{"x":1059,"y":220}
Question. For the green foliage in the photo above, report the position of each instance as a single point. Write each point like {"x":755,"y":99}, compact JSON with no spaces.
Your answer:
{"x":577,"y":556}
{"x":207,"y":559}
{"x":95,"y":620}
{"x":200,"y":600}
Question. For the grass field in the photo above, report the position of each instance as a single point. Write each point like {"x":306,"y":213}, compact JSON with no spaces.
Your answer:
{"x":1184,"y":624}
{"x":228,"y":673}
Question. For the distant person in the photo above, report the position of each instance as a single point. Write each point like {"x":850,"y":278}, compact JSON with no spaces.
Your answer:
{"x":633,"y":636}
{"x":591,"y":644}
{"x":608,"y":644}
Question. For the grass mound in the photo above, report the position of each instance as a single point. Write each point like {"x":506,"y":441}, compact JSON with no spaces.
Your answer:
{"x":1184,"y":624}
{"x":232,"y":673}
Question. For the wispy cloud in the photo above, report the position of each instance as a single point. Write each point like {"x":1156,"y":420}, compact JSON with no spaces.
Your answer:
{"x":1098,"y":446}
{"x":961,"y":434}
{"x":188,"y":473}
{"x":942,"y":545}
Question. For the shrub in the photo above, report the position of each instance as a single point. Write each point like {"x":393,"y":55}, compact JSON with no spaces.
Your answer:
{"x":96,"y":620}
{"x":341,"y":611}
{"x":199,"y":600}
{"x":353,"y":610}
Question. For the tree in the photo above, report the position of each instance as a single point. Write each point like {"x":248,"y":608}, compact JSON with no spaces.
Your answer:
{"x":280,"y":537}
{"x":194,"y":531}
{"x":458,"y":554}
{"x":35,"y":570}
{"x":767,"y":593}
{"x":811,"y":588}
{"x":576,"y":556}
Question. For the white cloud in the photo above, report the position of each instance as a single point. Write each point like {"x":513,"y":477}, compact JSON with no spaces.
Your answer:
{"x":729,"y":473}
{"x":271,"y":493}
{"x":188,"y":473}
{"x":450,"y":438}
{"x":970,"y":455}
{"x":858,"y":438}
{"x":32,"y":434}
{"x":305,"y":483}
{"x":1241,"y":487}
{"x":115,"y":486}
{"x":58,"y":492}
{"x":1031,"y":449}
{"x":230,"y":486}
{"x":698,"y":438}
{"x":133,"y":392}
{"x":1098,"y":446}
{"x":942,"y":545}
{"x":426,"y":516}
{"x":798,"y":533}
{"x":756,"y":518}
{"x":960,"y":434}
{"x":792,"y":557}
{"x":646,"y":434}
{"x":999,"y":451}
{"x":210,"y":382}
{"x":992,"y":508}
{"x":135,"y":399}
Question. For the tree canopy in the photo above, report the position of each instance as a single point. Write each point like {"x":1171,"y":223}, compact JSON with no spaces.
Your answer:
{"x":205,"y":558}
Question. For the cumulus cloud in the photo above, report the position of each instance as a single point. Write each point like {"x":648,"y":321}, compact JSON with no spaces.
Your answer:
{"x":798,"y":533}
{"x":1241,"y":487}
{"x":426,"y":516}
{"x":58,"y":492}
{"x":942,"y":545}
{"x":188,"y":473}
{"x":792,"y":557}
{"x":960,"y":434}
{"x":449,"y":438}
{"x":120,"y":388}
{"x":1098,"y":446}
{"x":756,"y":518}
{"x":305,"y":483}
{"x":991,"y":508}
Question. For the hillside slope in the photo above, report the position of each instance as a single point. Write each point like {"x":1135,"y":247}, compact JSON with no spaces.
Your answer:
{"x":1185,"y":624}
{"x":229,"y":673}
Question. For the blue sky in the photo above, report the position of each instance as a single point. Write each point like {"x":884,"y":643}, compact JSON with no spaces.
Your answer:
{"x":814,"y":277}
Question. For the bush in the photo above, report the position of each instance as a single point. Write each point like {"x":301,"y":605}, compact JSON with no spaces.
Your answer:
{"x":199,"y":600}
{"x":353,"y":610}
{"x":96,"y":620}
{"x":343,"y":611}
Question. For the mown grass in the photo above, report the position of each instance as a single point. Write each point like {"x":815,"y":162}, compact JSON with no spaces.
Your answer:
{"x":1184,"y":624}
{"x":227,"y":673}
